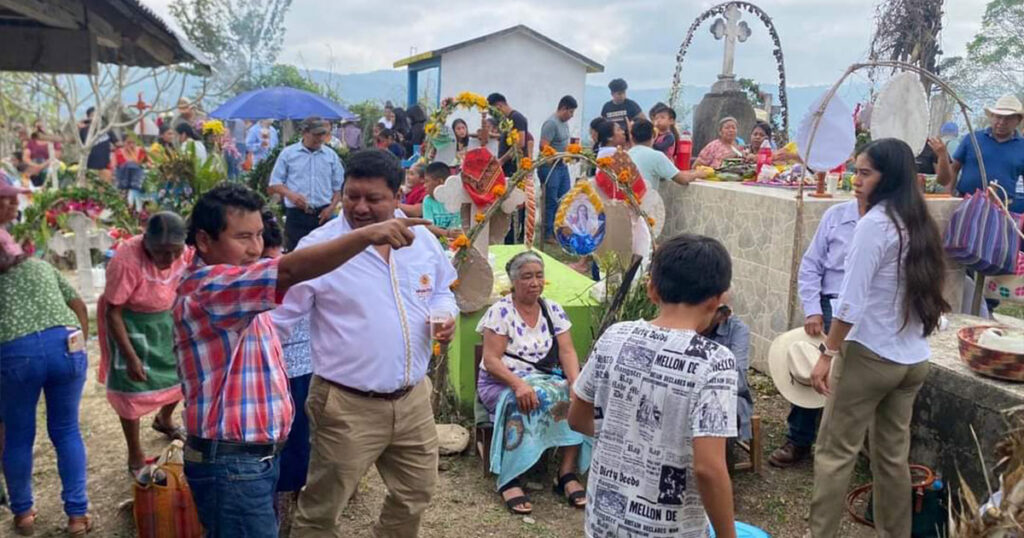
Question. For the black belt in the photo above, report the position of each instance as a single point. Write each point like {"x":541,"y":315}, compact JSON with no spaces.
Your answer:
{"x":209,"y":448}
{"x":310,"y":211}
{"x":829,"y":295}
{"x":369,"y":394}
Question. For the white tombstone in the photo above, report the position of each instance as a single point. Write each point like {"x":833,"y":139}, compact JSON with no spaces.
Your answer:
{"x":84,"y":237}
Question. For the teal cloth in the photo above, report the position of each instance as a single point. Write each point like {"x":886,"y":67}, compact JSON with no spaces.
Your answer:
{"x":435,"y":211}
{"x":520,"y":440}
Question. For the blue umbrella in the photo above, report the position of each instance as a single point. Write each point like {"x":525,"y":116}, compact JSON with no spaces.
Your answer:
{"x":280,"y":103}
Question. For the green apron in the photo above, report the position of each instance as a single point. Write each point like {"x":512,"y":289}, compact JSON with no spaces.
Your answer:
{"x":152,"y":338}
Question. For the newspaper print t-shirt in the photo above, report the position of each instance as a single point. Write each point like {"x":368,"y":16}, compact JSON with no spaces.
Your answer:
{"x":654,"y":390}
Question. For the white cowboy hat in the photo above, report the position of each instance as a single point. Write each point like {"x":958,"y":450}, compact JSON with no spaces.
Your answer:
{"x":1007,"y":105}
{"x":791,"y":358}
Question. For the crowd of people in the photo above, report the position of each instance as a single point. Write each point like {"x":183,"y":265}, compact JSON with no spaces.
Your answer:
{"x":262,"y":331}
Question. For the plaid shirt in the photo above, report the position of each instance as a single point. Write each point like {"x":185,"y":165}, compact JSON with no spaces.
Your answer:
{"x":229,"y":357}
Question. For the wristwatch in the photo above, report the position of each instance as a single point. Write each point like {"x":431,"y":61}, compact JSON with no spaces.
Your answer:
{"x":830,"y":353}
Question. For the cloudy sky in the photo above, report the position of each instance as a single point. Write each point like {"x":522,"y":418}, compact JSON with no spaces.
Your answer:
{"x":634,"y":39}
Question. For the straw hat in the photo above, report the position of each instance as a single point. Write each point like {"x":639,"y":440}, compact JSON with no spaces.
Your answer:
{"x":1007,"y":105}
{"x":791,"y":358}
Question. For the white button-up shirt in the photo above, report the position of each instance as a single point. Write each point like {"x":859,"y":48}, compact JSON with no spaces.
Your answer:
{"x":369,"y":319}
{"x":872,"y":293}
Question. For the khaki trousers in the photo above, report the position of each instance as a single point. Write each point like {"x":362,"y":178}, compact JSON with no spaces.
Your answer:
{"x":873,"y":395}
{"x":348,"y":434}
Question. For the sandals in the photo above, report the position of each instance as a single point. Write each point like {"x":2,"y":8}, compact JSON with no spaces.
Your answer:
{"x":24,"y":525}
{"x":171,"y":432}
{"x":574,"y":497}
{"x":512,"y":503}
{"x":79,"y":526}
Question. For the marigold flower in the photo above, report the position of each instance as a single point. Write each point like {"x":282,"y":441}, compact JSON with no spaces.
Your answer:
{"x":547,"y":151}
{"x":479,"y":217}
{"x":430,"y":128}
{"x":526,"y":163}
{"x":604,"y":161}
{"x":624,"y":176}
{"x":650,"y":221}
{"x":213,"y":127}
{"x":574,"y":148}
{"x":437,"y":349}
{"x":460,"y":242}
{"x":498,"y":190}
{"x":455,"y":285}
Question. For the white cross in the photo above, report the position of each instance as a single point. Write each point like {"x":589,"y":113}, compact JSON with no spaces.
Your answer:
{"x":454,"y":198}
{"x":84,"y":238}
{"x":730,"y":31}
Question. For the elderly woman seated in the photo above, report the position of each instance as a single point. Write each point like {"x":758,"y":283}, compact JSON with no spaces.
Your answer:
{"x":724,"y":147}
{"x":528,"y":367}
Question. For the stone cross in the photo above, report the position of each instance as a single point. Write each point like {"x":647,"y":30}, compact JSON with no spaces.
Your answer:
{"x":730,"y":29}
{"x":85,"y":238}
{"x":454,"y":198}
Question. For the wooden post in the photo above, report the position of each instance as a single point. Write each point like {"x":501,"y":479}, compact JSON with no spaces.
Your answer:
{"x":819,"y":189}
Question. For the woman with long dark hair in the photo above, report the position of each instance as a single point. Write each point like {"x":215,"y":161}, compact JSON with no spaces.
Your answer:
{"x":890,"y":301}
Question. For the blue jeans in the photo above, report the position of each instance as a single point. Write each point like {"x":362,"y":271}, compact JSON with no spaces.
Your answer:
{"x":234,"y":495}
{"x":33,"y":364}
{"x":803,"y":423}
{"x":295,"y":454}
{"x":556,"y":183}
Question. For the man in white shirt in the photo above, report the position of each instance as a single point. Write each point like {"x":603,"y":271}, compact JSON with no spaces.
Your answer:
{"x":369,"y":401}
{"x":654,"y":166}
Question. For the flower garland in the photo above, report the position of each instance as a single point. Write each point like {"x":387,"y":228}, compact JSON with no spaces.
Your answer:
{"x":526,"y":166}
{"x":439,"y":118}
{"x":99,"y":200}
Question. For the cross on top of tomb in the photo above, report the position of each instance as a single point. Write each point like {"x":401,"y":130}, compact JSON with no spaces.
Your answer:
{"x":731,"y":29}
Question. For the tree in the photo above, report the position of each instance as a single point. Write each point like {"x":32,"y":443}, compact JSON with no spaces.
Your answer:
{"x":994,"y":63}
{"x":241,"y":37}
{"x":908,"y":31}
{"x":103,"y":90}
{"x":289,"y":75}
{"x":369,"y":113}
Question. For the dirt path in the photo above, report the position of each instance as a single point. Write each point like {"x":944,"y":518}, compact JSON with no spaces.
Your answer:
{"x":465,"y":505}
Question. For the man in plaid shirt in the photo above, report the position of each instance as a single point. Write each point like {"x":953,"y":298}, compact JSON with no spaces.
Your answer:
{"x":237,"y":407}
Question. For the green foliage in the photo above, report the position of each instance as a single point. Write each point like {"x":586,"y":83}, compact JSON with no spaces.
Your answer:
{"x":994,"y":63}
{"x":369,"y":112}
{"x":290,"y":76}
{"x":1001,"y":38}
{"x":179,"y":178}
{"x":636,"y":304}
{"x":240,"y":37}
{"x":258,"y":179}
{"x":753,"y":91}
{"x":46,"y":214}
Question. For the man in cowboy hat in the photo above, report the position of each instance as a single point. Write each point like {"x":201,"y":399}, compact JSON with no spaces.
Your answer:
{"x":188,"y":113}
{"x":1002,"y":147}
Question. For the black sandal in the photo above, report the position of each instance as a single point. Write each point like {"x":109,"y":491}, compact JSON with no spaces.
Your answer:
{"x":172,"y":432}
{"x":574,"y":497}
{"x":512,"y":503}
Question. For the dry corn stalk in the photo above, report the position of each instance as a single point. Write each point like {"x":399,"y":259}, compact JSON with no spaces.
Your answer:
{"x":1005,"y":520}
